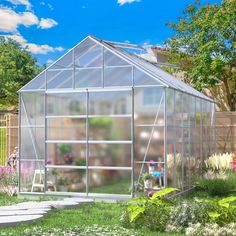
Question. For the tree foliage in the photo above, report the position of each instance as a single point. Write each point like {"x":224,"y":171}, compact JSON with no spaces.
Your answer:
{"x":204,"y":47}
{"x":17,"y":67}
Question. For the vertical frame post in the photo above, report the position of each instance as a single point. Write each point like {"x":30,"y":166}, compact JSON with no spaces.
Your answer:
{"x":182,"y":148}
{"x":73,"y":58}
{"x":19,"y":145}
{"x":175,"y":166}
{"x":195,"y":136}
{"x":87,"y":140}
{"x":103,"y":65}
{"x":165,"y":142}
{"x":201,"y":144}
{"x":45,"y":135}
{"x":132,"y":145}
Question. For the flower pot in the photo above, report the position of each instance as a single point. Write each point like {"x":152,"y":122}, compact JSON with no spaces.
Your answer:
{"x":151,"y":169}
{"x":148,"y":183}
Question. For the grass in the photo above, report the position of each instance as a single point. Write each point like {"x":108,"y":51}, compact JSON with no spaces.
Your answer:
{"x":102,"y":214}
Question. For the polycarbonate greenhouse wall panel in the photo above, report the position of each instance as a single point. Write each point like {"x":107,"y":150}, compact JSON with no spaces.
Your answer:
{"x":118,"y":77}
{"x":110,"y":59}
{"x":88,"y":78}
{"x":66,"y":104}
{"x":110,"y":103}
{"x":27,"y":173}
{"x":32,"y":126}
{"x":38,"y":83}
{"x":60,"y":79}
{"x":141,"y":78}
{"x":66,"y":62}
{"x":117,"y":181}
{"x":57,"y":154}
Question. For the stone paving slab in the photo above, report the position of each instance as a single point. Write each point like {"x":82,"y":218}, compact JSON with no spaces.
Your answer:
{"x":29,"y":212}
{"x":23,"y":212}
{"x":16,"y":207}
{"x":15,"y":220}
{"x":80,"y":200}
{"x":63,"y":204}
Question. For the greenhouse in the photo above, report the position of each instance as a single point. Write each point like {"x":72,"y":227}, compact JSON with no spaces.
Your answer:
{"x":101,"y":117}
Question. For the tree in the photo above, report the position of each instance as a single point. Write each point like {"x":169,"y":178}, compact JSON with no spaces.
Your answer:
{"x":204,"y":47}
{"x":17,"y":67}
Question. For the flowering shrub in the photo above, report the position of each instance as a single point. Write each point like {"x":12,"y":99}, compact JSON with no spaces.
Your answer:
{"x":219,"y":162}
{"x":211,"y":230}
{"x":188,"y":212}
{"x":93,"y":230}
{"x":8,"y":175}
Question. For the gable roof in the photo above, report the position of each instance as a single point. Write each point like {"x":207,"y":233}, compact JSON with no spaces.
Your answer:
{"x":165,"y":78}
{"x":160,"y":74}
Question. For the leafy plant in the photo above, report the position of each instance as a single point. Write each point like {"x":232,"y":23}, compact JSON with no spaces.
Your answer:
{"x":189,"y":212}
{"x":218,"y":186}
{"x":222,"y":211}
{"x":153,"y":212}
{"x":146,"y":176}
{"x":65,"y":148}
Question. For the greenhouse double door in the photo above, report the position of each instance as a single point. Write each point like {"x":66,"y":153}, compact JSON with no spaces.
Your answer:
{"x":89,"y":142}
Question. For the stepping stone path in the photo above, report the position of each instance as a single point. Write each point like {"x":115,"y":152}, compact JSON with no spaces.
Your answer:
{"x":30,"y":212}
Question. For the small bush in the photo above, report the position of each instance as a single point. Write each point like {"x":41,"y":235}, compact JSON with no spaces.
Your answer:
{"x":189,"y":212}
{"x":218,"y":186}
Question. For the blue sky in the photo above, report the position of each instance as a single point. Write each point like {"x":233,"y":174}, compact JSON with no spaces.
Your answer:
{"x":50,"y":27}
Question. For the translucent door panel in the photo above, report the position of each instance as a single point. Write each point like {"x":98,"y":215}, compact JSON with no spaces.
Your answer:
{"x":110,"y":103}
{"x":110,"y":155}
{"x":149,"y":144}
{"x":66,"y":180}
{"x":110,"y":128}
{"x":109,"y":181}
{"x":66,"y":129}
{"x":32,"y":176}
{"x":66,"y":154}
{"x":149,"y":106}
{"x":67,"y":104}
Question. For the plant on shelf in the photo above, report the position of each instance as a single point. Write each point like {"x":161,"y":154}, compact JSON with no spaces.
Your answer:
{"x":63,"y":184}
{"x":147,"y":179}
{"x":65,"y":148}
{"x":69,"y":158}
{"x":151,"y":166}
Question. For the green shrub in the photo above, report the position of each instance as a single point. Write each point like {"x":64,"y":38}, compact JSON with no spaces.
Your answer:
{"x":221,"y":211}
{"x":189,"y":212}
{"x":218,"y":186}
{"x":152,"y":213}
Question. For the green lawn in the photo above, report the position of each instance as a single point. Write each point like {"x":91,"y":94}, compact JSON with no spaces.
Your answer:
{"x":101,"y":214}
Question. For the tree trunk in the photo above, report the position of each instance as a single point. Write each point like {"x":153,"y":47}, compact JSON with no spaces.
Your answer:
{"x":231,"y":99}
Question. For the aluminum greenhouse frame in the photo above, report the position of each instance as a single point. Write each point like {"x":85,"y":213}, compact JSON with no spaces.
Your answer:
{"x":100,"y":116}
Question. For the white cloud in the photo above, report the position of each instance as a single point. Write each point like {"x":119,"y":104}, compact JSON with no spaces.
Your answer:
{"x":32,"y":47}
{"x":122,"y":2}
{"x":26,"y":3}
{"x":49,"y":62}
{"x":46,"y":23}
{"x":10,"y":20}
{"x":47,"y":4}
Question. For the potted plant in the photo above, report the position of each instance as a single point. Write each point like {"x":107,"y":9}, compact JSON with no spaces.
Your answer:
{"x":147,"y":179}
{"x":62,"y":184}
{"x":151,"y":166}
